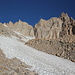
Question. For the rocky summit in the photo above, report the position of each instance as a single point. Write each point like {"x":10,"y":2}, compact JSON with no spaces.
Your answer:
{"x":55,"y":28}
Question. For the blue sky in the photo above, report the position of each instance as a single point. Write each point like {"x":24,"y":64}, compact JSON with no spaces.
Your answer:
{"x":31,"y":11}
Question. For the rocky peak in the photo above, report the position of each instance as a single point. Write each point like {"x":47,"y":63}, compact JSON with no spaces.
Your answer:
{"x":22,"y":27}
{"x":55,"y":28}
{"x":68,"y":24}
{"x":10,"y":21}
{"x":48,"y":28}
{"x":40,"y":23}
{"x":64,"y":17}
{"x":41,"y":20}
{"x":19,"y":20}
{"x":63,"y":14}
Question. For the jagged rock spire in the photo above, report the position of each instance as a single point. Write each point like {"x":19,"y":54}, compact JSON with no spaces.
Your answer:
{"x":63,"y":14}
{"x":10,"y":22}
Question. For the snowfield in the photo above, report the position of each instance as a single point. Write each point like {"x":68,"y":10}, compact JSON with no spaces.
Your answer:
{"x":42,"y":63}
{"x":22,"y":37}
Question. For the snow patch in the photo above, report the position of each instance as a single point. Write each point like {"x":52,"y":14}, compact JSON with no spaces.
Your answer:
{"x":42,"y":63}
{"x":23,"y":37}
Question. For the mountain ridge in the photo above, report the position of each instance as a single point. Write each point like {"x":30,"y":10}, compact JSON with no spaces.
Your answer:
{"x":54,"y":28}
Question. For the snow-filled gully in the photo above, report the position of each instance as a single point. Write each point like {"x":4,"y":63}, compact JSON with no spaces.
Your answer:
{"x":42,"y":63}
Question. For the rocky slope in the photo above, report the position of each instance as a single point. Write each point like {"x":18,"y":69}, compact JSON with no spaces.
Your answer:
{"x":13,"y":66}
{"x":55,"y":36}
{"x":64,"y":47}
{"x":9,"y":32}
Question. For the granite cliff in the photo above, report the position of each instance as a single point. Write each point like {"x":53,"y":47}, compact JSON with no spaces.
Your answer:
{"x":55,"y":28}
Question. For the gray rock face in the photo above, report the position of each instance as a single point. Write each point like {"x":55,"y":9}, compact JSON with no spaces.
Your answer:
{"x":49,"y":29}
{"x":22,"y":27}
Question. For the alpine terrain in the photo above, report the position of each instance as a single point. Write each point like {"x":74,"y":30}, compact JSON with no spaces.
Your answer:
{"x":48,"y":48}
